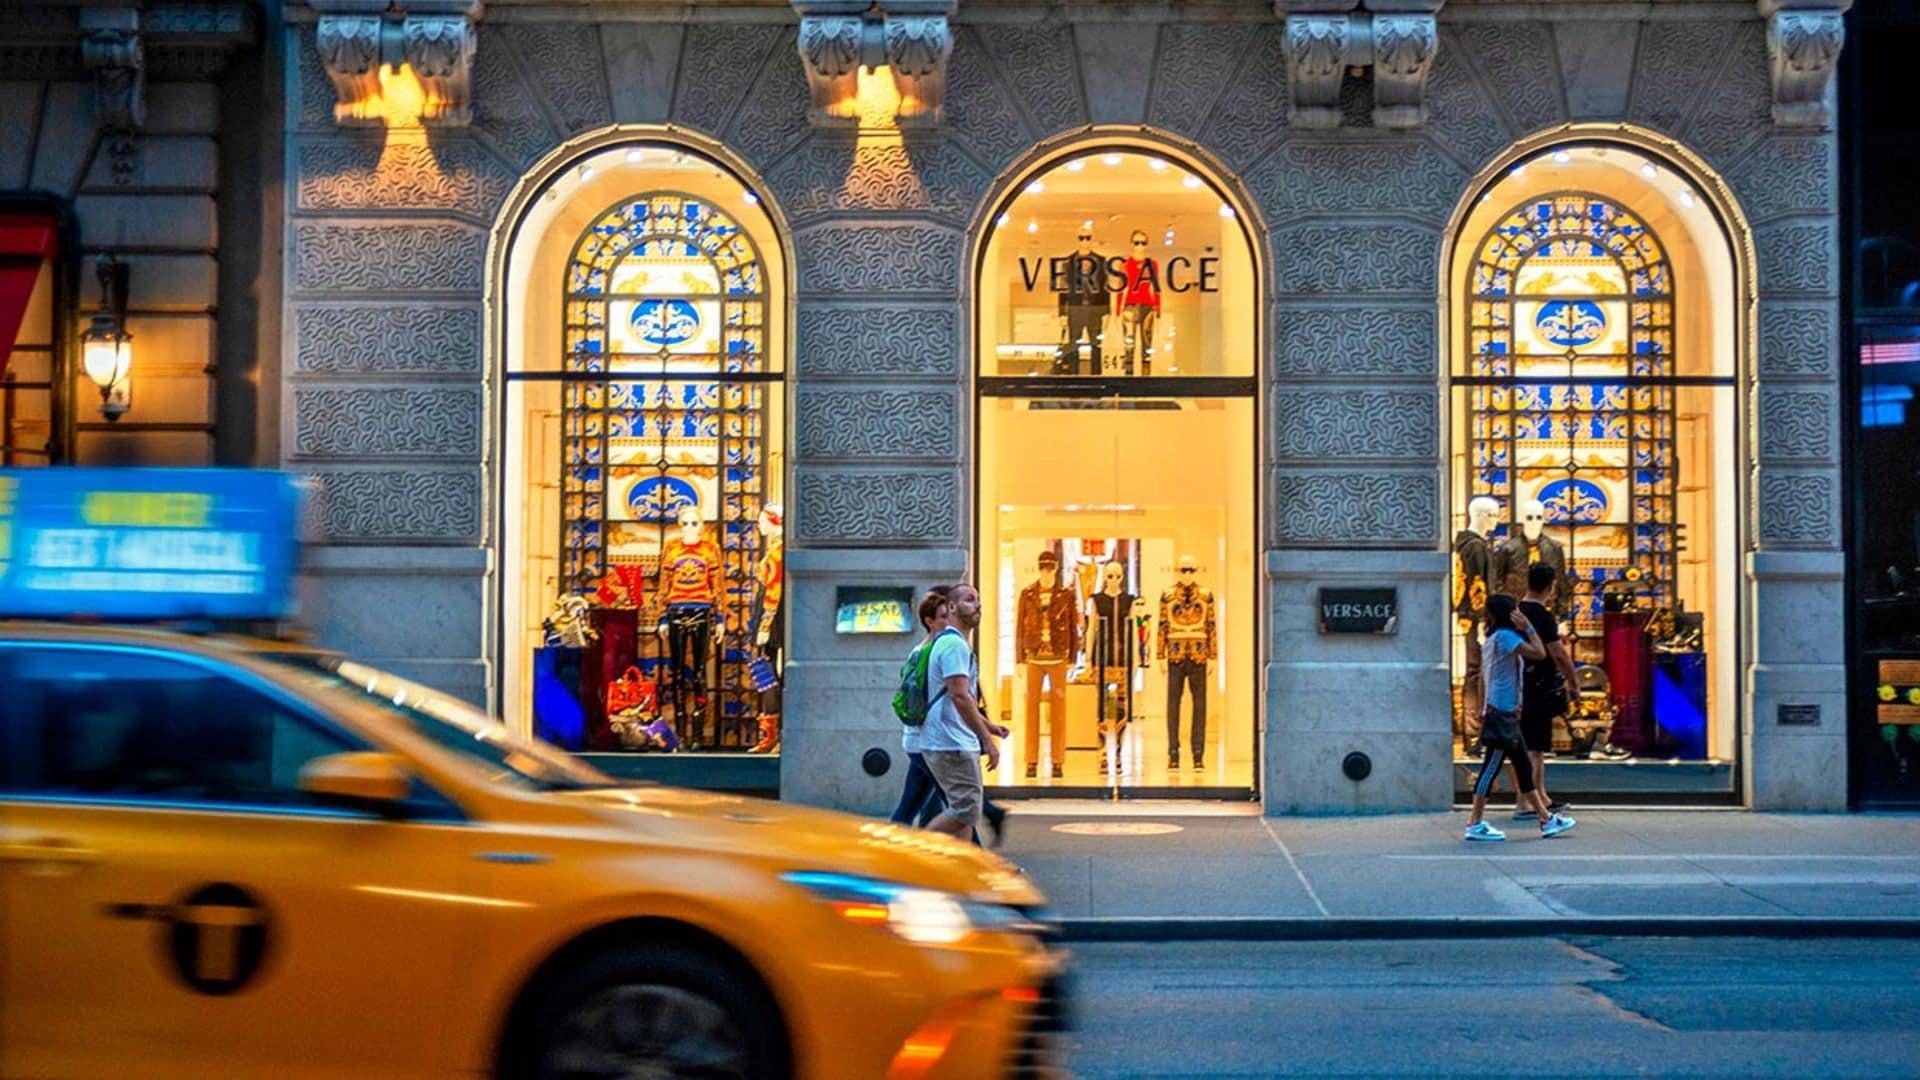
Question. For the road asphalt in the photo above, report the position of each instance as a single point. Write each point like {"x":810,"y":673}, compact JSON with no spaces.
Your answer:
{"x":1149,"y":872}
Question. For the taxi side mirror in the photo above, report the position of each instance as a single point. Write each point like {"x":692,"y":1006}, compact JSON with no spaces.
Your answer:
{"x":363,"y":778}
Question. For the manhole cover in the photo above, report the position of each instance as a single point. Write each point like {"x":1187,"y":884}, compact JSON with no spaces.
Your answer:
{"x":1118,"y":828}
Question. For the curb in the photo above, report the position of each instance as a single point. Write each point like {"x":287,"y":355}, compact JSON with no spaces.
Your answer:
{"x":1379,"y":928}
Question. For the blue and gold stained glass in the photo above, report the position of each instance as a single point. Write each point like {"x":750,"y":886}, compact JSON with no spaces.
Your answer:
{"x":665,"y":304}
{"x":1571,"y":309}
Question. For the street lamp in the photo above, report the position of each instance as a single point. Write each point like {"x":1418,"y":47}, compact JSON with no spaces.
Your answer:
{"x":106,"y":349}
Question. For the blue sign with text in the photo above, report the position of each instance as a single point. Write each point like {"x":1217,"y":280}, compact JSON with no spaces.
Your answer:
{"x":147,"y":544}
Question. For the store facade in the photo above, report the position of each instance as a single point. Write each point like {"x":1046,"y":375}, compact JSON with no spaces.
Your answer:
{"x":1237,"y":351}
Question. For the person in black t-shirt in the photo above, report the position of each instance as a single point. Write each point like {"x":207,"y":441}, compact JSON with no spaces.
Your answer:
{"x":1547,"y":687}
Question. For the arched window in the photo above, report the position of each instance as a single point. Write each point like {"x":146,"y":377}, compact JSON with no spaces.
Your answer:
{"x":1572,"y":349}
{"x":1595,"y":431}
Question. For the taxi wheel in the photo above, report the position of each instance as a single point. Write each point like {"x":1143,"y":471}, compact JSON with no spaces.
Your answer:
{"x":651,"y":1011}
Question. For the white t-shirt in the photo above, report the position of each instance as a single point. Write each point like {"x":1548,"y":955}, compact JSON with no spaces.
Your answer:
{"x":944,"y":729}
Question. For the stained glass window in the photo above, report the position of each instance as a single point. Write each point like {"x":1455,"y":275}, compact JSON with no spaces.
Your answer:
{"x":1571,"y":391}
{"x":666,"y":410}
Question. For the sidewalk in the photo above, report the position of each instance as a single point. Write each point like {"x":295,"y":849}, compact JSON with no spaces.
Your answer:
{"x":1150,"y":872}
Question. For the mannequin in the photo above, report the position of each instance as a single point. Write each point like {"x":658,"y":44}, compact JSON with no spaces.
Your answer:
{"x":1139,"y":305}
{"x":1512,"y":556}
{"x":689,"y":586}
{"x":1110,"y":631}
{"x":1187,"y":645}
{"x":1083,"y":304}
{"x":1472,"y":561}
{"x":1046,"y":637}
{"x":769,"y":633}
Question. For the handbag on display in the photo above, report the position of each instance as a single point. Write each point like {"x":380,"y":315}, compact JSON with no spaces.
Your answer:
{"x":640,"y":729}
{"x":630,"y":692}
{"x":761,"y":674}
{"x":569,"y":624}
{"x":623,"y":586}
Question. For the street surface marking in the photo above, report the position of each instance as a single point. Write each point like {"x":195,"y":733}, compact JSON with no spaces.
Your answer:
{"x":1304,"y":883}
{"x":1119,"y":828}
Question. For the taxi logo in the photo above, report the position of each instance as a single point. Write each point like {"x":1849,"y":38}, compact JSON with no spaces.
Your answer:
{"x":218,"y":938}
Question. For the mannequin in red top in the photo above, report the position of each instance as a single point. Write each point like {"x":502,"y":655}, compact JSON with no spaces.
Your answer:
{"x":1138,"y":305}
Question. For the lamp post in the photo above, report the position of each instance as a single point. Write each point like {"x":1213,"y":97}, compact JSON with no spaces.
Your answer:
{"x":106,"y":349}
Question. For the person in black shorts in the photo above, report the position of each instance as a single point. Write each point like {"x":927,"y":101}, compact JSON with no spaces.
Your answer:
{"x":1548,"y":687}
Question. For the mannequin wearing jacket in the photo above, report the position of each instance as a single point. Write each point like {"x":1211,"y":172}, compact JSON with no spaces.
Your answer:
{"x":769,"y":634}
{"x":1513,"y":555}
{"x":1472,"y":566}
{"x":1187,"y":644}
{"x":1046,"y":635}
{"x":1083,"y":304}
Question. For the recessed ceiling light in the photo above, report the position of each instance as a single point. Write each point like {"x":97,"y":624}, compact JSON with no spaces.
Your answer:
{"x":1647,"y":170}
{"x":1686,"y":198}
{"x":634,"y":155}
{"x":1518,"y":171}
{"x":750,"y":197}
{"x":586,"y":173}
{"x":1036,"y":187}
{"x":1087,"y":224}
{"x":1191,"y":181}
{"x":1002,"y":219}
{"x":1076,"y":165}
{"x":1033,"y":226}
{"x":1110,"y":160}
{"x":1156,"y":165}
{"x":1561,"y":157}
{"x":1225,"y":210}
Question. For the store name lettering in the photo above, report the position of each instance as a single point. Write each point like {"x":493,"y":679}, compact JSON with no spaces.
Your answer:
{"x":1083,"y":274}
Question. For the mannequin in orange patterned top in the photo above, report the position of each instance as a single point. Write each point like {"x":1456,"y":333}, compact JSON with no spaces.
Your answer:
{"x":769,"y":632}
{"x":689,"y":586}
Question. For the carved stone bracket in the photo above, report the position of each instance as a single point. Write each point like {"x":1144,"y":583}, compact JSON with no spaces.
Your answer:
{"x":1326,"y":38}
{"x":911,"y":38}
{"x":110,"y":47}
{"x":436,"y":39}
{"x":1403,"y":48}
{"x":1803,"y":45}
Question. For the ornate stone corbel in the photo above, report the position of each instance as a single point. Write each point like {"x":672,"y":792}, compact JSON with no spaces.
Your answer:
{"x":1803,"y":46}
{"x":911,"y":38}
{"x":110,"y":47}
{"x":440,"y":49}
{"x":435,"y":38}
{"x":917,"y":51}
{"x":830,"y":52}
{"x":1403,"y":48}
{"x":350,"y":51}
{"x":1317,"y":45}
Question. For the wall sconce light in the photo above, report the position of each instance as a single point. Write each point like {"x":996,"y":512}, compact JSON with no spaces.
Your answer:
{"x":106,"y":349}
{"x":910,"y":39}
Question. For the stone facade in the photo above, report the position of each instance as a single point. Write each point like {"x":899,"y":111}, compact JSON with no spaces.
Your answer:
{"x":389,"y":393}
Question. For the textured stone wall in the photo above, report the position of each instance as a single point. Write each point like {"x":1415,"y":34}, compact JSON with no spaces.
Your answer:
{"x":384,"y":265}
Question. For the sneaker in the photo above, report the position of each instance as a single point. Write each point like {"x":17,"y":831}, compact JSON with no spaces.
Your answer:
{"x":1521,"y":813}
{"x":1483,"y":831}
{"x":1556,"y":825}
{"x":1559,"y":806}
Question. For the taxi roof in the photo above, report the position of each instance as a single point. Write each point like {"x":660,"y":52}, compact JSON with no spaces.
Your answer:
{"x":214,"y":643}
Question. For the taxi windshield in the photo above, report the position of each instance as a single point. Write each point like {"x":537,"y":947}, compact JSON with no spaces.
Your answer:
{"x":454,"y":725}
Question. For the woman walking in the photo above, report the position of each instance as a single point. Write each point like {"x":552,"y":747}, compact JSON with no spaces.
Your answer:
{"x":1510,"y":642}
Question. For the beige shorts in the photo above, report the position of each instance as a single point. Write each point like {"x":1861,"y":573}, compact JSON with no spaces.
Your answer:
{"x":958,"y":774}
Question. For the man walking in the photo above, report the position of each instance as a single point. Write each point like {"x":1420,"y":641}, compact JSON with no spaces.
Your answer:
{"x":1548,"y":687}
{"x":955,"y":734}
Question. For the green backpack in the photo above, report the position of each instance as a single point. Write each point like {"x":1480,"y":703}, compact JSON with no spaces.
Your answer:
{"x":911,"y":702}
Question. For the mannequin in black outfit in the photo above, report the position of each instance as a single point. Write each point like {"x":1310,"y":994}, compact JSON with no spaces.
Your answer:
{"x":1083,"y":304}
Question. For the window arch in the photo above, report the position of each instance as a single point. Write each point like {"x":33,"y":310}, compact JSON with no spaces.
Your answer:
{"x":1571,"y":339}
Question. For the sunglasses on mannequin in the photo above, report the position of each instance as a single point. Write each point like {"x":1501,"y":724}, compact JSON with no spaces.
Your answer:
{"x":1189,"y":569}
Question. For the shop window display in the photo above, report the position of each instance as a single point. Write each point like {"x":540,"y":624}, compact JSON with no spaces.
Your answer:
{"x":1594,"y":436}
{"x":1118,"y":320}
{"x":659,"y":433}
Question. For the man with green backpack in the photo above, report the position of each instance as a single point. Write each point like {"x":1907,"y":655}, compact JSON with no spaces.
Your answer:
{"x":939,"y":687}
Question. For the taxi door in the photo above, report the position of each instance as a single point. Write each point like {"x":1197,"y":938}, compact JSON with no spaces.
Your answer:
{"x":175,"y":907}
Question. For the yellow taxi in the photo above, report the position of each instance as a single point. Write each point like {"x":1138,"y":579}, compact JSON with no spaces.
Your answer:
{"x":229,"y":858}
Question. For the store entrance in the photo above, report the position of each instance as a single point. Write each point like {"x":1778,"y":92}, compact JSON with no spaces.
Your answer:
{"x":1118,"y":501}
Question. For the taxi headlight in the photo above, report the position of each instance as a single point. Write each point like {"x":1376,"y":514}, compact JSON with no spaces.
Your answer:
{"x":922,"y":916}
